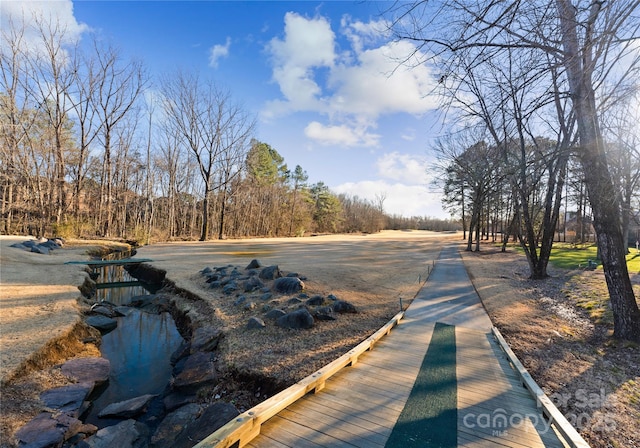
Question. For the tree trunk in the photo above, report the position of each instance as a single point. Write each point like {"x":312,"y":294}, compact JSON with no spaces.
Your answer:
{"x":600,"y":188}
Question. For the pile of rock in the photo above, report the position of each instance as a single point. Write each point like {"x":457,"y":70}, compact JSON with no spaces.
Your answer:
{"x":40,"y":245}
{"x":184,"y":423}
{"x":263,"y":289}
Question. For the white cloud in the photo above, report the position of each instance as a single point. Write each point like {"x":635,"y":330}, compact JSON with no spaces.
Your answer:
{"x":219,"y":51}
{"x":51,"y":15}
{"x":403,"y":167}
{"x":404,"y":186}
{"x":307,"y":44}
{"x":399,"y":199}
{"x":343,"y":135}
{"x":357,"y":84}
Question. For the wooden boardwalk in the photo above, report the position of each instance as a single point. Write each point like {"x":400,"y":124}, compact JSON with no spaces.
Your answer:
{"x":359,"y":405}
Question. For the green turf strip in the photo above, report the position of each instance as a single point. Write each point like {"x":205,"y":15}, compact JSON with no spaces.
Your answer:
{"x":429,"y":418}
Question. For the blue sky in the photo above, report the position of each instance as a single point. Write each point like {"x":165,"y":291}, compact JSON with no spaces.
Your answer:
{"x":321,"y":77}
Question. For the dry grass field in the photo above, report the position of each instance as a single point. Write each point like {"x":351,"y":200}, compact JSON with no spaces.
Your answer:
{"x":593,"y":379}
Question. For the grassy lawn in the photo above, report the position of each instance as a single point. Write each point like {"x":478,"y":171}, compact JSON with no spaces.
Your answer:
{"x":568,"y":256}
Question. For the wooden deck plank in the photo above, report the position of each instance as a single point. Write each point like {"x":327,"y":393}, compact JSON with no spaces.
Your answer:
{"x":304,"y":436}
{"x":348,"y":413}
{"x":488,"y":392}
{"x":345,"y":430}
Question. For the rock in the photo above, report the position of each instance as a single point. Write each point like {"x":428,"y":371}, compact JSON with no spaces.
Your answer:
{"x":205,"y":339}
{"x":288,"y":285}
{"x":252,"y":284}
{"x":146,"y":273}
{"x":102,"y":323}
{"x":254,"y":264}
{"x":250,"y":306}
{"x":127,"y":408}
{"x":270,"y":273}
{"x":324,"y":313}
{"x":294,"y":301}
{"x":126,"y":434}
{"x":266,"y":296}
{"x":102,"y":310}
{"x":198,"y":370}
{"x":49,"y":430}
{"x":298,"y":319}
{"x":181,"y":352}
{"x":240,"y":300}
{"x":173,"y":424}
{"x":255,"y":322}
{"x":69,"y":399}
{"x":214,"y":417}
{"x":40,"y":249}
{"x":206,"y":270}
{"x":42,"y":431}
{"x":87,"y":370}
{"x":229,"y":288}
{"x":332,"y":297}
{"x":341,"y":306}
{"x":315,"y":300}
{"x":123,"y":311}
{"x":214,"y":278}
{"x":274,"y":314}
{"x":176,"y":399}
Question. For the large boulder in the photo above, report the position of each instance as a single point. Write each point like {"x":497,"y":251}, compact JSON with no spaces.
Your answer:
{"x":69,"y":399}
{"x":342,"y":306}
{"x":198,"y":370}
{"x":270,"y":273}
{"x":213,"y":418}
{"x":255,"y":322}
{"x":101,"y":323}
{"x":92,"y":370}
{"x":206,"y":339}
{"x":298,"y":319}
{"x":173,"y":424}
{"x":49,"y":430}
{"x":129,"y":434}
{"x":288,"y":285}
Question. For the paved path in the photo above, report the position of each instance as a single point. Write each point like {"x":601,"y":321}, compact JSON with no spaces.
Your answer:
{"x":360,"y":405}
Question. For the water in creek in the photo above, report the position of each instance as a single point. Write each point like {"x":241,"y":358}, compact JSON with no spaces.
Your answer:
{"x":139,"y":349}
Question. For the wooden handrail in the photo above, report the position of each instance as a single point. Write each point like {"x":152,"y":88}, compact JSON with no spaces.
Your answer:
{"x":246,"y":426}
{"x":568,"y":432}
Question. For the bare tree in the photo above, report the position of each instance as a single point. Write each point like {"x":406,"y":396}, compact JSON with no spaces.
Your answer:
{"x":591,"y":41}
{"x":54,"y":70}
{"x":15,"y":116}
{"x":210,"y":126}
{"x":118,"y":86}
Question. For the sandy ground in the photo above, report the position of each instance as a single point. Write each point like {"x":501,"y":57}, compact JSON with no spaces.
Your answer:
{"x":38,"y":295}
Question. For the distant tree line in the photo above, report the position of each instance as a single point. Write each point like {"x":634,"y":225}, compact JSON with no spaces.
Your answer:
{"x":90,"y":147}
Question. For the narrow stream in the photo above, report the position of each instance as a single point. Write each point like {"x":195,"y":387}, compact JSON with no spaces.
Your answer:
{"x":139,"y":349}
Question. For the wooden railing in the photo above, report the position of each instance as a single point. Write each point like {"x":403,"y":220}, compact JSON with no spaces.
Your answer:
{"x":551,"y":412}
{"x":246,"y":426}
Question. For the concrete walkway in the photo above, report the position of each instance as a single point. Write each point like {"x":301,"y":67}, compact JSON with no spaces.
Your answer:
{"x":360,"y":405}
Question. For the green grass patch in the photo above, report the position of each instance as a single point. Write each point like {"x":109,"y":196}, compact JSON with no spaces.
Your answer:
{"x":575,"y":256}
